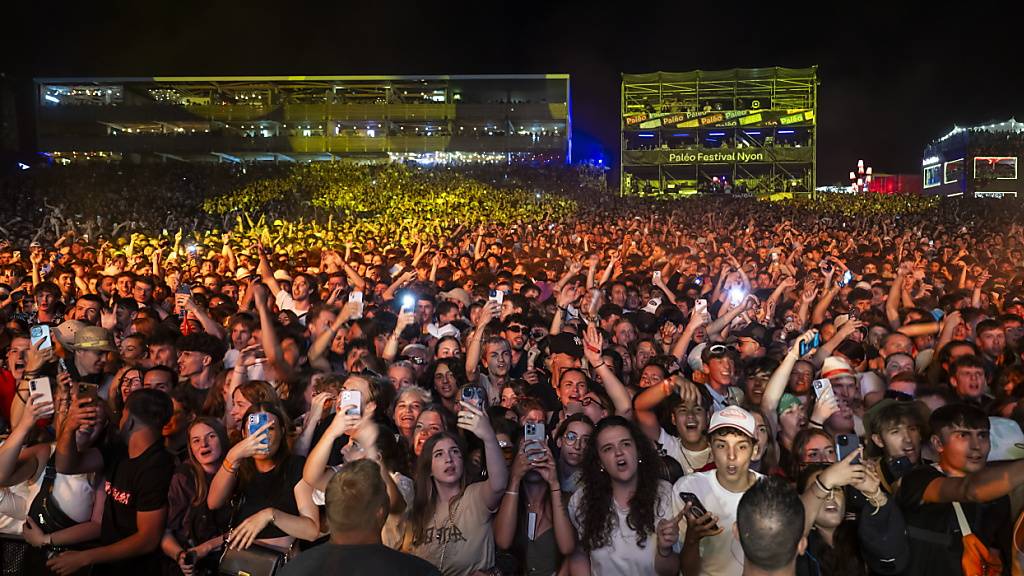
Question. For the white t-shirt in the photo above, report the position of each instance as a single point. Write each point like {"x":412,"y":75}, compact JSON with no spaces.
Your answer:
{"x":721,"y":555}
{"x":285,"y":301}
{"x":622,"y":555}
{"x":689,"y":460}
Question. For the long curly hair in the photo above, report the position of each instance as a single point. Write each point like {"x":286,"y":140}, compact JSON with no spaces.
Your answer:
{"x":596,"y":511}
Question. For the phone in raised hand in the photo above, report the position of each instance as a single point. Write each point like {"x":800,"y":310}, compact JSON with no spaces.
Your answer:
{"x":807,"y":345}
{"x":254,"y":423}
{"x":41,"y":386}
{"x":353,"y":399}
{"x":821,"y":387}
{"x":357,"y":297}
{"x":40,"y":335}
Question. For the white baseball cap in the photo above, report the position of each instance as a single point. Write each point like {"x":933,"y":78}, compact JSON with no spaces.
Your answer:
{"x":734,"y":417}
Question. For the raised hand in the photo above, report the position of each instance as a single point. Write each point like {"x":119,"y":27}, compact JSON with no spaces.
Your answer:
{"x":475,"y":420}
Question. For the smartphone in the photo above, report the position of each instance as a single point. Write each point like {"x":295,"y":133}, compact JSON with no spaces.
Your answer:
{"x":698,"y":280}
{"x":657,"y":275}
{"x":898,"y":467}
{"x":736,"y":295}
{"x":17,"y":296}
{"x":254,"y":423}
{"x":476,"y":396}
{"x":697,"y":509}
{"x":408,"y":303}
{"x":846,"y":444}
{"x":497,"y":296}
{"x":357,"y":297}
{"x":821,"y":387}
{"x":533,"y":433}
{"x":806,"y":347}
{"x":40,"y":334}
{"x":775,"y":256}
{"x":353,"y":399}
{"x":183,"y":293}
{"x":825,"y":266}
{"x":41,"y":386}
{"x":845,"y":280}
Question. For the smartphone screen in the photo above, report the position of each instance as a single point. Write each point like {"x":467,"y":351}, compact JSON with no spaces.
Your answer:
{"x":40,"y":334}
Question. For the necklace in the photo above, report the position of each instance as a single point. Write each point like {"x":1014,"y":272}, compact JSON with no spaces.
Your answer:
{"x":682,"y":450}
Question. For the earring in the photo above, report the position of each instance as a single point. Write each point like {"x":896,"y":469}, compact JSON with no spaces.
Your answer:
{"x":640,"y":460}
{"x":602,"y":468}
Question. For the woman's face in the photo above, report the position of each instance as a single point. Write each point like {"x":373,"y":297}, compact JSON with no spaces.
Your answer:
{"x":617,"y":451}
{"x":819,"y":449}
{"x":448,"y":349}
{"x":131,"y":381}
{"x":508,"y":397}
{"x":832,"y":510}
{"x":651,"y":375}
{"x":407,"y":410}
{"x":239,"y":405}
{"x":427,"y":425}
{"x":444,"y":382}
{"x":205,"y":445}
{"x":274,"y":434}
{"x":800,"y":378}
{"x":446,"y":462}
{"x":792,"y":420}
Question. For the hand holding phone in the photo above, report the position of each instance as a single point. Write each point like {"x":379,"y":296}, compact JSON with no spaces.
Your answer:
{"x":351,"y":402}
{"x":40,"y":336}
{"x":255,"y":422}
{"x":39,"y":391}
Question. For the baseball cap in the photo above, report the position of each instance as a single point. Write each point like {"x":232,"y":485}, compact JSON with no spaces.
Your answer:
{"x":94,"y":338}
{"x":756,"y":332}
{"x":734,"y":417}
{"x":566,"y":343}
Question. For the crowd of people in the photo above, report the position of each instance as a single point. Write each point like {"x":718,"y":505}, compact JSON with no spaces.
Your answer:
{"x":583,"y":385}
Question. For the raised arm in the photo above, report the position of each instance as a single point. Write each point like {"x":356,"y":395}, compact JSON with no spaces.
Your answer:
{"x":476,"y":421}
{"x":474,"y":350}
{"x":593,"y":344}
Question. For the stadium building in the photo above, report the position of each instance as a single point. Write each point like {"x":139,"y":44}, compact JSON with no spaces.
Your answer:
{"x":982,"y":161}
{"x":725,"y":131}
{"x":426,"y":119}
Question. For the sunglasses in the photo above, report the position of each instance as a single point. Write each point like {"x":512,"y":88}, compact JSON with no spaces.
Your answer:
{"x":516,"y":329}
{"x":720,"y":349}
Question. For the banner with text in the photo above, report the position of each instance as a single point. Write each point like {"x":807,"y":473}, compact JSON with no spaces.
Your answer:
{"x":717,"y":156}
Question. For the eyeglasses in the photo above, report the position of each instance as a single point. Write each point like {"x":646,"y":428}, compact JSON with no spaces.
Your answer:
{"x":573,"y":438}
{"x":587,"y":401}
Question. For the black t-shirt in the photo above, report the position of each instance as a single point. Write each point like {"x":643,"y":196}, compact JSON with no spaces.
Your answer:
{"x":274,"y":489}
{"x":359,"y":560}
{"x":936,"y":544}
{"x":197,"y":396}
{"x":133,"y":485}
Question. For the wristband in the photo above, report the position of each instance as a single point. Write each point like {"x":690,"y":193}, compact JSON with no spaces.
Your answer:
{"x":226,"y":465}
{"x":815,"y":423}
{"x":511,"y":493}
{"x":821,"y":484}
{"x":596,"y":366}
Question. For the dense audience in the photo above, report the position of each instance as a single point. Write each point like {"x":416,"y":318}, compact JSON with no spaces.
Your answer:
{"x":396,"y":371}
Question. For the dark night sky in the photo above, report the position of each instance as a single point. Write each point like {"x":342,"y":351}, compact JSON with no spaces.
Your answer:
{"x":893,"y":76}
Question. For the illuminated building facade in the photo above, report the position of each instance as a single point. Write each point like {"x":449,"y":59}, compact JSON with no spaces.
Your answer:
{"x":426,"y":119}
{"x":741,"y":130}
{"x":980,"y":162}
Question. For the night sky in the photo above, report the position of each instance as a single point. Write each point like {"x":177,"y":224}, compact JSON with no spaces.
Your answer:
{"x":893,"y":76}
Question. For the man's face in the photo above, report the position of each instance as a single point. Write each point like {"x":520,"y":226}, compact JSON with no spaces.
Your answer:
{"x":992,"y":342}
{"x":91,"y":361}
{"x":963,"y":449}
{"x":401,"y":376}
{"x":900,"y":439}
{"x":897,"y":343}
{"x":424,"y":311}
{"x":618,"y":295}
{"x":45,"y":301}
{"x":191,"y":363}
{"x":300,"y":289}
{"x":106,"y":285}
{"x":749,"y":348}
{"x":240,"y":335}
{"x":898,"y":363}
{"x":515,"y":335}
{"x":498,"y":359}
{"x":732,"y":453}
{"x":16,"y":356}
{"x":719,"y":370}
{"x":159,"y":380}
{"x":142,"y":292}
{"x":65,"y":281}
{"x":164,"y":355}
{"x":691,"y":421}
{"x":969,"y":381}
{"x":87,"y":311}
{"x":625,"y":334}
